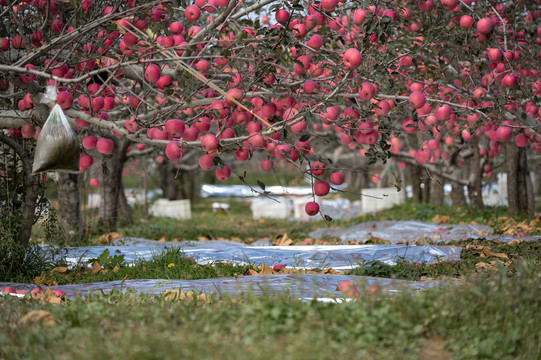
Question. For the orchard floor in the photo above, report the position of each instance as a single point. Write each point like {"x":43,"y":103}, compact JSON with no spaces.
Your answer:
{"x":437,"y":290}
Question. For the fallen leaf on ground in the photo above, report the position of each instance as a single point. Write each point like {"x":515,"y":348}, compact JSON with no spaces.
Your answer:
{"x":487,"y":252}
{"x":284,"y":241}
{"x":60,"y":270}
{"x":474,"y":247}
{"x":515,"y":242}
{"x":483,"y":233}
{"x":96,"y":268}
{"x":37,"y":317}
{"x":108,"y":238}
{"x":376,"y":240}
{"x":441,"y":219}
{"x":266,"y":270}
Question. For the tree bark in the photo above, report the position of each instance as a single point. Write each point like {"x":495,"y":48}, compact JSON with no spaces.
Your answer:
{"x":415,"y":173}
{"x":520,"y":195}
{"x":21,"y":204}
{"x":436,"y":190}
{"x":168,"y":181}
{"x":475,"y":190}
{"x":111,"y":186}
{"x":69,"y":209}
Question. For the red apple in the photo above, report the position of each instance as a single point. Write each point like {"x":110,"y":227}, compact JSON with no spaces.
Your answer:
{"x":89,"y":142}
{"x":223,"y":174}
{"x":175,"y":128}
{"x":321,"y":188}
{"x":105,"y":146}
{"x":94,"y":182}
{"x":282,"y":16}
{"x":64,"y":99}
{"x":152,"y":73}
{"x":417,"y":100}
{"x":484,"y":26}
{"x":318,"y":168}
{"x":352,"y":58}
{"x":348,"y":288}
{"x":192,"y":12}
{"x":311,"y":208}
{"x":206,"y":162}
{"x":337,"y":178}
{"x":267,"y":165}
{"x":210,"y":143}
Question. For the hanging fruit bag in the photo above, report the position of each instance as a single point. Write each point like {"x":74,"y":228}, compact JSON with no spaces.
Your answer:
{"x":57,"y":147}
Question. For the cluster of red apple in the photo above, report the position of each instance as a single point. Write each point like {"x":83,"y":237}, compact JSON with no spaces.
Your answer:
{"x":11,"y":290}
{"x":441,"y":112}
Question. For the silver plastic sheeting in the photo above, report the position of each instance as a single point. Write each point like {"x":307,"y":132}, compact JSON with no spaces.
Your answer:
{"x":245,"y":191}
{"x":322,"y":287}
{"x":401,"y":232}
{"x":338,"y":257}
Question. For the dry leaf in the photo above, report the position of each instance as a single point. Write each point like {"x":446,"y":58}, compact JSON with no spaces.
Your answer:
{"x":236,"y":239}
{"x":441,"y":219}
{"x":488,"y":253}
{"x":515,"y":242}
{"x":376,"y":240}
{"x":164,"y":238}
{"x":266,"y":270}
{"x":474,"y":247}
{"x":484,"y":265}
{"x":423,"y":241}
{"x":483,"y":233}
{"x":202,"y":297}
{"x":127,"y":277}
{"x":37,"y":317}
{"x":96,"y":268}
{"x":116,"y":268}
{"x":108,"y":238}
{"x":202,"y":238}
{"x":284,"y":241}
{"x":60,"y":270}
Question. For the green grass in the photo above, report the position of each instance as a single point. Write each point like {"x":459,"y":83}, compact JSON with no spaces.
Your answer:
{"x":528,"y":251}
{"x":168,"y":264}
{"x":496,"y":318}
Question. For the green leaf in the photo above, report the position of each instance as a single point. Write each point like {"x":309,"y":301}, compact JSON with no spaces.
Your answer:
{"x":261,"y":185}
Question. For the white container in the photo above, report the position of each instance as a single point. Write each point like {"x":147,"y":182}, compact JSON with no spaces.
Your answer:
{"x":280,"y":208}
{"x":376,"y":199}
{"x":176,"y":209}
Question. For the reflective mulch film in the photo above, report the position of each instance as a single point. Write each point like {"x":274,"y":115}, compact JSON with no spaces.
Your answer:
{"x":306,"y":286}
{"x":411,"y":232}
{"x":337,"y":257}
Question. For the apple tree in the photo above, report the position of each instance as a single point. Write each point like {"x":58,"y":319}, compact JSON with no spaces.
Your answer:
{"x":447,"y":88}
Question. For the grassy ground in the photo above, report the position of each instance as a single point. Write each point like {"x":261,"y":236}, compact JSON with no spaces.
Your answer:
{"x":492,"y":314}
{"x":486,"y":318}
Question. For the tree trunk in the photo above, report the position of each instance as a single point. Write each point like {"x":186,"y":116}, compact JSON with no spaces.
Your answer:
{"x":457,"y":193}
{"x":415,"y":173}
{"x":69,"y":209}
{"x":123,"y":207}
{"x":168,"y":181}
{"x":475,"y":190}
{"x":18,"y":203}
{"x":188,"y":182}
{"x":436,"y":190}
{"x":111,"y":185}
{"x":520,"y":195}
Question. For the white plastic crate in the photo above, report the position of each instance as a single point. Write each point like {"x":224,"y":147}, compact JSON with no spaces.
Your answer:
{"x":282,"y":208}
{"x":177,"y":209}
{"x":376,"y":199}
